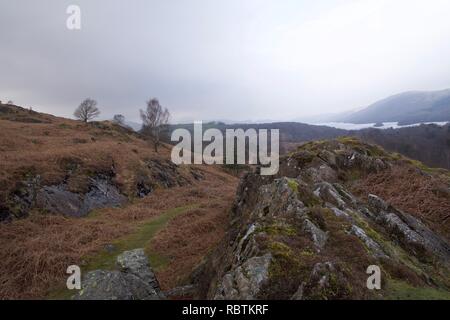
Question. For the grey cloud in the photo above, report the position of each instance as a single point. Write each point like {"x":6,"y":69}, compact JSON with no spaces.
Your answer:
{"x":210,"y":59}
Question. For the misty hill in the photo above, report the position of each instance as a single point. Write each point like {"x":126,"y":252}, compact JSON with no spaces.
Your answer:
{"x":429,"y":144}
{"x":290,"y":132}
{"x":405,"y":108}
{"x":92,"y":193}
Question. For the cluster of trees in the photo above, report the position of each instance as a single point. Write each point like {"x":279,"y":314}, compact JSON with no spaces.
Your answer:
{"x":154,"y":117}
{"x":429,"y":144}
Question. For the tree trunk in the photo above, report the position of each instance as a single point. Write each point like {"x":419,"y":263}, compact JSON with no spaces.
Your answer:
{"x":155,"y":143}
{"x":156,"y":139}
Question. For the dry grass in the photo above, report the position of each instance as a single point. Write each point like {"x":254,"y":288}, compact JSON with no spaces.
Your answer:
{"x":189,"y":237}
{"x":36,"y":251}
{"x":406,"y":188}
{"x":52,"y":149}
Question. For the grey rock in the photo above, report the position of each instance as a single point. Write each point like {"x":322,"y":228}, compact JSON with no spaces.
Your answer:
{"x":338,"y":212}
{"x":287,"y":216}
{"x":318,"y":236}
{"x":183,"y":292}
{"x":58,"y":199}
{"x":328,"y":193}
{"x":409,"y":231}
{"x":135,"y":262}
{"x":328,"y":157}
{"x":134,"y":281}
{"x":245,"y":281}
{"x":104,"y":285}
{"x":377,"y":203}
{"x":298,"y":295}
{"x":371,"y":244}
{"x":278,"y":199}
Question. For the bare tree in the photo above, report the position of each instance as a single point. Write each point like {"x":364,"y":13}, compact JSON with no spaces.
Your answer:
{"x":119,"y":119}
{"x":87,"y":110}
{"x":153,"y":118}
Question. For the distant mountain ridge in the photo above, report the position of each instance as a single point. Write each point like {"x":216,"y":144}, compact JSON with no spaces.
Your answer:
{"x":427,"y":143}
{"x":406,"y":108}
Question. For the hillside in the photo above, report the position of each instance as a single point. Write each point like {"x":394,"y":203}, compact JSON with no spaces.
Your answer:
{"x":290,"y":132}
{"x":429,"y":144}
{"x":405,"y":108}
{"x":75,"y":193}
{"x":98,"y":196}
{"x":335,"y":208}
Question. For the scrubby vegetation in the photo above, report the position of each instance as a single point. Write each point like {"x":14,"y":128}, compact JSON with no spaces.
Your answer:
{"x":309,"y":232}
{"x":183,"y":211}
{"x":312,"y":231}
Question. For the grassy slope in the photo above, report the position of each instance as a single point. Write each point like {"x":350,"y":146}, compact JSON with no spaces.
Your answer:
{"x":37,"y":250}
{"x":140,"y":238}
{"x":399,"y":290}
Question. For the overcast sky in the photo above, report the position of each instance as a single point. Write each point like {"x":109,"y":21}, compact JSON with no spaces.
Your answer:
{"x":228,"y":59}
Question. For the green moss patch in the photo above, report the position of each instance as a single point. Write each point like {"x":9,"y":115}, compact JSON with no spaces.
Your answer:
{"x":400,"y":290}
{"x":293,"y":185}
{"x":278,"y":229}
{"x":141,"y":238}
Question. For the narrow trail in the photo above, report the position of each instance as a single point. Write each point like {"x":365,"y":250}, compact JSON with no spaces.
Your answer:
{"x":140,"y":238}
{"x":176,"y":226}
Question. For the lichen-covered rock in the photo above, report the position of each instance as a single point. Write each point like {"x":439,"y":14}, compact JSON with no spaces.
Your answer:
{"x":184,"y":292}
{"x":409,"y":231}
{"x":318,"y":236}
{"x":327,"y":192}
{"x":325,"y":282}
{"x":371,"y":244}
{"x":134,"y":280}
{"x":58,"y":199}
{"x":303,"y":234}
{"x":245,"y":281}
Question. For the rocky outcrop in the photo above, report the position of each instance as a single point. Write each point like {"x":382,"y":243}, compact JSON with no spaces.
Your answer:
{"x":304,"y":235}
{"x":97,"y":191}
{"x":244,"y":282}
{"x":409,"y":231}
{"x":58,"y":199}
{"x":134,"y":280}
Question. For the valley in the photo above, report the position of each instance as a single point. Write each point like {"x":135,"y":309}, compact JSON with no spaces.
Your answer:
{"x":190,"y":157}
{"x":91,"y":194}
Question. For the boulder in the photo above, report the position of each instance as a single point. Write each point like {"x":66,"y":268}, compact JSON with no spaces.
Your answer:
{"x":134,"y":280}
{"x":58,"y":199}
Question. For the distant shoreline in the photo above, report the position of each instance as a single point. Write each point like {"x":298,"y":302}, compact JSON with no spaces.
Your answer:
{"x":386,"y":125}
